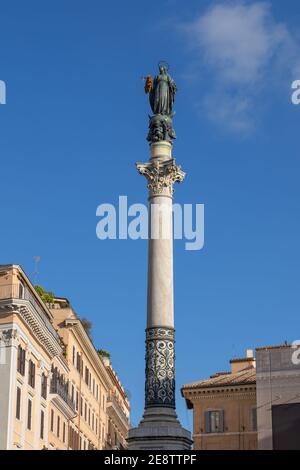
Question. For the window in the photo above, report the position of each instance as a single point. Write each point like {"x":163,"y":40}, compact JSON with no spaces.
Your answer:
{"x":21,"y":291}
{"x":72,"y":393}
{"x":31,"y":374}
{"x":96,"y":426}
{"x":78,"y":362}
{"x":21,"y":360}
{"x":18,"y":403}
{"x":94,"y":387}
{"x":214,"y":421}
{"x":93,"y":421}
{"x":81,"y":406}
{"x":77,"y":400}
{"x":44,"y":387}
{"x":90,"y":381}
{"x":86,"y":378}
{"x":89,"y":416}
{"x":253,"y":419}
{"x":64,"y":432}
{"x":97,"y":392}
{"x":29,"y":414}
{"x":73,"y":356}
{"x":58,"y":426}
{"x":85,"y":412}
{"x":52,"y":421}
{"x":73,"y":439}
{"x":42,"y":425}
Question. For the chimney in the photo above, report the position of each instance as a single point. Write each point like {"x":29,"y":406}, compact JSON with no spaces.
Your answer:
{"x":106,"y":361}
{"x":239,"y":364}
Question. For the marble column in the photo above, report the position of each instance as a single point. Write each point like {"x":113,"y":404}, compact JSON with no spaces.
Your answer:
{"x":160,"y":428}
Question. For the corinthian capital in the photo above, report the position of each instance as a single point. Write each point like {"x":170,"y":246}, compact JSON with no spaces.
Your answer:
{"x":161,"y":176}
{"x":8,"y":336}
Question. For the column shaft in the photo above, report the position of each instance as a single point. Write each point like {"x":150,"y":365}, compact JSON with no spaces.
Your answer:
{"x":161,"y":172}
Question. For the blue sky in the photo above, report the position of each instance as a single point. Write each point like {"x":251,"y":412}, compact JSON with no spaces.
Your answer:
{"x":73,"y":127}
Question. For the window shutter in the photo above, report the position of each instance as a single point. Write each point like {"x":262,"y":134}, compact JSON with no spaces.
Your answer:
{"x":44,"y":386}
{"x":29,"y":372}
{"x":207,"y":421}
{"x":19,"y":359}
{"x":23,"y":361}
{"x":52,"y":421}
{"x":33,"y":375}
{"x":254,"y":419}
{"x":18,"y":404}
{"x":42,"y":425}
{"x":221,"y":421}
{"x":29,"y":415}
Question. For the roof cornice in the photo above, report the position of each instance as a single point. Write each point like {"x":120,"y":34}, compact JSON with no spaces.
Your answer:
{"x":82,"y":337}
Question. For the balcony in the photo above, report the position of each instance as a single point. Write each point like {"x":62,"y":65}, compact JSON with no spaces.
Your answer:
{"x":114,"y":409}
{"x":59,"y":394}
{"x":19,"y":292}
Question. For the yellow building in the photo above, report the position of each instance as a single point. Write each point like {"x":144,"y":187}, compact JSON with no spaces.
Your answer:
{"x":90,"y":383}
{"x":118,"y":411}
{"x":55,"y":390}
{"x":224,"y":408}
{"x":29,"y":345}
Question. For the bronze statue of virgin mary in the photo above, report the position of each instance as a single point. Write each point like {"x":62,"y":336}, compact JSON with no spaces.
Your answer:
{"x":162,"y":90}
{"x":162,"y":93}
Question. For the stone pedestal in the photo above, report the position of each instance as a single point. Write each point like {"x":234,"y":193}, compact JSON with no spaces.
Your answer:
{"x":160,"y":428}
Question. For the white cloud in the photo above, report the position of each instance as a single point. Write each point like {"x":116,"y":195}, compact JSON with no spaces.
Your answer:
{"x":233,"y":112}
{"x":242,"y":45}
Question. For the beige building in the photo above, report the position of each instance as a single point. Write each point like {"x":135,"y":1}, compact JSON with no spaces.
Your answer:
{"x":90,"y":384}
{"x":224,"y":408}
{"x":118,"y":411}
{"x":55,"y":389}
{"x":278,"y":397}
{"x":29,"y":345}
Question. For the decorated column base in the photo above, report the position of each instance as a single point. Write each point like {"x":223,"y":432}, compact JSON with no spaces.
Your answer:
{"x":159,"y":430}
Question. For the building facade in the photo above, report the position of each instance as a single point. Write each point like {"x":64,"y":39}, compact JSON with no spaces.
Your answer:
{"x":224,"y":408}
{"x":89,"y":382}
{"x":29,"y":344}
{"x":118,"y":411}
{"x":278,"y":398}
{"x":55,"y":389}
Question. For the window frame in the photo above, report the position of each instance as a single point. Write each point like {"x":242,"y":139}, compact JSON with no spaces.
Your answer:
{"x":18,"y":403}
{"x":29,"y":414}
{"x":52,"y":420}
{"x":31,"y":373}
{"x":21,"y":360}
{"x":58,"y":426}
{"x":209,"y":426}
{"x":42,"y":425}
{"x":44,"y":383}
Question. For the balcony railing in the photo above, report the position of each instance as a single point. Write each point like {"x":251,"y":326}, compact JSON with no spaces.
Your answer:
{"x":116,"y":404}
{"x":61,"y":389}
{"x":20,"y":292}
